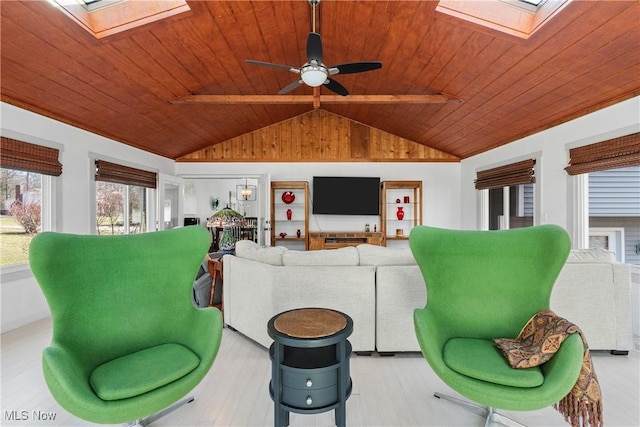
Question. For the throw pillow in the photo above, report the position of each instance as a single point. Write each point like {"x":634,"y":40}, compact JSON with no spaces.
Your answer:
{"x":251,"y":250}
{"x":590,"y":255}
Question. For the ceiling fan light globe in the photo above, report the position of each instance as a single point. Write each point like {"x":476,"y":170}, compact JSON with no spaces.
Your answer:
{"x":314,"y":76}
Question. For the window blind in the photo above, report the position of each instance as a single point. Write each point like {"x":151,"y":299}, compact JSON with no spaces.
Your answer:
{"x":28,"y":157}
{"x":505,"y":176}
{"x":614,"y":153}
{"x":112,"y":172}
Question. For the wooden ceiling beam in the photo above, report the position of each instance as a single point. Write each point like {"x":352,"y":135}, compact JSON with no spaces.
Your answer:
{"x":313,"y":99}
{"x":316,"y":98}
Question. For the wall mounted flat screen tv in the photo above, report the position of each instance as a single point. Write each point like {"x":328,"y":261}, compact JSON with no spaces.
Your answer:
{"x":336,"y":195}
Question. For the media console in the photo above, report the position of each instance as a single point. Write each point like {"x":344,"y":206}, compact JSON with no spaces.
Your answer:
{"x":341,"y":239}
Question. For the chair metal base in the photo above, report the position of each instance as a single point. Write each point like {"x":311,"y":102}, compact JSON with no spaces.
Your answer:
{"x":155,"y":417}
{"x":490,"y":415}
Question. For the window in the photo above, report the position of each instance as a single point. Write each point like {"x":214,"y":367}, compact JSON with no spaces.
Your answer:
{"x":92,"y":5}
{"x":103,"y":18}
{"x":26,"y":187}
{"x":120,"y":208}
{"x":614,"y":212}
{"x":529,"y":5}
{"x":611,"y":239}
{"x":605,"y":178}
{"x":22,"y":213}
{"x":508,"y":194}
{"x":122,"y":198}
{"x":521,"y":18}
{"x":511,"y":207}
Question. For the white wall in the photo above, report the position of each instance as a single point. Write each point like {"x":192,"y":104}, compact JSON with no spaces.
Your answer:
{"x":440,"y":186}
{"x":198,"y":194}
{"x":551,"y":148}
{"x":22,"y":300}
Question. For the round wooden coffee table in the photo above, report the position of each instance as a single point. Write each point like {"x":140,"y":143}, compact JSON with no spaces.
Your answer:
{"x":310,"y":363}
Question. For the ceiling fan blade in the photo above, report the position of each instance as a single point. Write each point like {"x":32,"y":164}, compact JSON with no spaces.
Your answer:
{"x":272,"y":65}
{"x":314,"y":48}
{"x":355,"y":67}
{"x":336,"y":87}
{"x":290,"y":87}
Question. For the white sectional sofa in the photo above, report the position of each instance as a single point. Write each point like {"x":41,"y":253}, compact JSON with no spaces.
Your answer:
{"x":380,"y":287}
{"x":262,"y":282}
{"x":594,"y":292}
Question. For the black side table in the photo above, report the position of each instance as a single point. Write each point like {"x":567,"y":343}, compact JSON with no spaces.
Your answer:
{"x":310,"y":363}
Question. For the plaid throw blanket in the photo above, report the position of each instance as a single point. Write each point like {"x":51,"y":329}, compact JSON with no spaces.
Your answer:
{"x":538,"y":342}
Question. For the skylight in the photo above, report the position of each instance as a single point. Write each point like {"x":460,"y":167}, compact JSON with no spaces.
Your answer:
{"x":528,"y":5}
{"x":106,"y":17}
{"x":519,"y":18}
{"x":92,"y":5}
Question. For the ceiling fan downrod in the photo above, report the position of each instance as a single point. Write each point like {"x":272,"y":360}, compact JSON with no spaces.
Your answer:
{"x":313,"y":4}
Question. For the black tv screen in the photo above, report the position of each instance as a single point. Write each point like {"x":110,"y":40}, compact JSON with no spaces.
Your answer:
{"x":339,"y":195}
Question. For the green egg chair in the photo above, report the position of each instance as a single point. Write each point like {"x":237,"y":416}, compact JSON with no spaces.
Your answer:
{"x":483,"y":285}
{"x":128,"y":344}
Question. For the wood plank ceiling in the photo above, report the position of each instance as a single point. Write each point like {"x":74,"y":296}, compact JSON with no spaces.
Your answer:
{"x":121,"y":86}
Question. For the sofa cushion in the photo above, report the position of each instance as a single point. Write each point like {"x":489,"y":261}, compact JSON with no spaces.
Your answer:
{"x":341,"y":256}
{"x":251,"y":250}
{"x":590,"y":255}
{"x":143,"y":371}
{"x":379,"y":255}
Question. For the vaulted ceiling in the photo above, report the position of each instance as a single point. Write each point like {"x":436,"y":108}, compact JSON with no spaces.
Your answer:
{"x":122,"y":86}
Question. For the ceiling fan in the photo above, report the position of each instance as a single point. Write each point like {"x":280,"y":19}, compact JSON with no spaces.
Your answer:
{"x":314,"y":73}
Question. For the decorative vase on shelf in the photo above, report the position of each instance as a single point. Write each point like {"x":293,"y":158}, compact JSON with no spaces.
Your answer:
{"x":298,"y":233}
{"x":400,"y":213}
{"x":289,"y":214}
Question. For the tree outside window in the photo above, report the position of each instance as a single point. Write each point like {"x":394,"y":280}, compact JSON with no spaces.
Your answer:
{"x":120,"y":208}
{"x":21,"y":213}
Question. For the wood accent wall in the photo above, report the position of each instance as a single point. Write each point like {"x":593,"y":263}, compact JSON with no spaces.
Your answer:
{"x":318,"y":136}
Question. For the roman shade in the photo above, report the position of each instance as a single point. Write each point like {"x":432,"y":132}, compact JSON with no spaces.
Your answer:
{"x":112,"y":172}
{"x":614,"y":153}
{"x":505,"y":176}
{"x":28,"y":157}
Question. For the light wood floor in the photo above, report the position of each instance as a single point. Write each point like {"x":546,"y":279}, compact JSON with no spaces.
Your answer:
{"x":387,"y":391}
